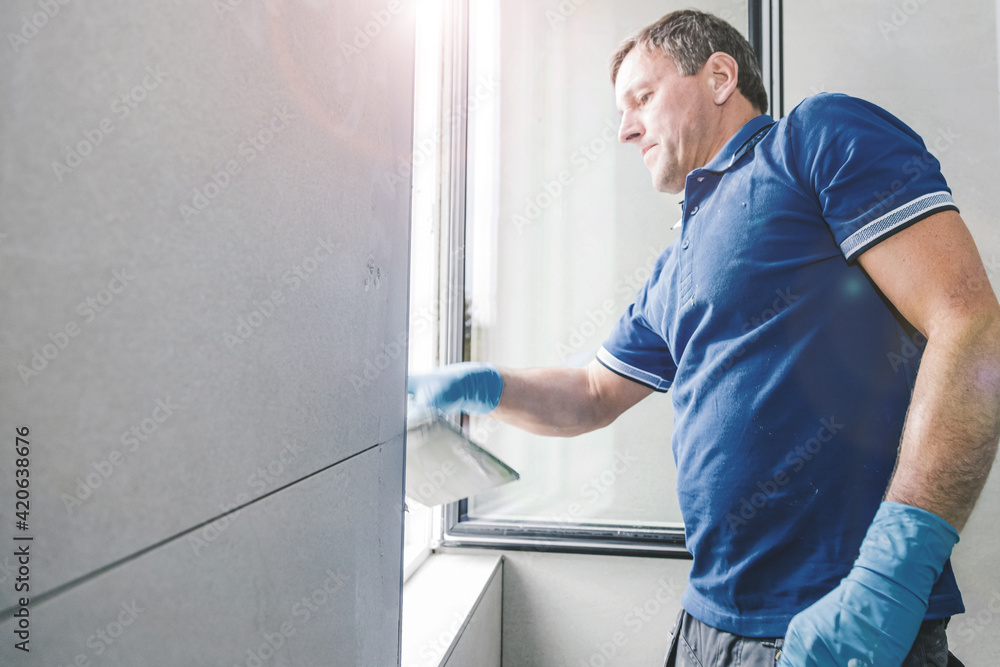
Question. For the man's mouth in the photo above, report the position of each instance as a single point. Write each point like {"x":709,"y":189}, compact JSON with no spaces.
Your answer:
{"x":644,"y":150}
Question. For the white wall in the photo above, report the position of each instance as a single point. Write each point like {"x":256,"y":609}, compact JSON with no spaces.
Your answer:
{"x":232,"y":171}
{"x":481,"y":643}
{"x":572,"y":610}
{"x":934,"y":65}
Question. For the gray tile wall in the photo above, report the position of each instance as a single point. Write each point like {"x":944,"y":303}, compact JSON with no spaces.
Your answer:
{"x":204,"y":257}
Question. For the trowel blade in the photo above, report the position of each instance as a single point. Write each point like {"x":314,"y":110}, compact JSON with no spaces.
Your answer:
{"x":444,"y":466}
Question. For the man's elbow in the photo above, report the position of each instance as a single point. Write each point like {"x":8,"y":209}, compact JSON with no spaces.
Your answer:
{"x":972,"y":338}
{"x":972,"y":322}
{"x":605,"y":417}
{"x":587,"y":419}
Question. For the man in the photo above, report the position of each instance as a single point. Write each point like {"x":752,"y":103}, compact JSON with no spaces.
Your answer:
{"x":814,"y":252}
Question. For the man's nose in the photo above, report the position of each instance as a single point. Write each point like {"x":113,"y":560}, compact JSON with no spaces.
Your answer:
{"x":630,"y":129}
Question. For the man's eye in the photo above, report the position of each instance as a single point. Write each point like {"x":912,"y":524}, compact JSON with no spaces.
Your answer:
{"x":644,"y":98}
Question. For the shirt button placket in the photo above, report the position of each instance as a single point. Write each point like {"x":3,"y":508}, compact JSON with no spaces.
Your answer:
{"x":686,"y":284}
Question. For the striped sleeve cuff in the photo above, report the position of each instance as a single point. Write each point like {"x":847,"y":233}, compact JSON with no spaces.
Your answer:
{"x":894,"y":221}
{"x":631,"y":372}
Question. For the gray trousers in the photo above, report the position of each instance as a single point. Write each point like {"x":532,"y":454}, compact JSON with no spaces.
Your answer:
{"x":695,"y":644}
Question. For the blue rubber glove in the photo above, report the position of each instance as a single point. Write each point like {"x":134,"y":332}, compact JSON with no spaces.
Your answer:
{"x":872,"y":618}
{"x":470,"y":387}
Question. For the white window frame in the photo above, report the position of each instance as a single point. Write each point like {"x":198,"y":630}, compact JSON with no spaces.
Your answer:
{"x":452,"y":525}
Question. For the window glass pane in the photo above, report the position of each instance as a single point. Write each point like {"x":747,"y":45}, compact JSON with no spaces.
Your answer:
{"x":563,"y":228}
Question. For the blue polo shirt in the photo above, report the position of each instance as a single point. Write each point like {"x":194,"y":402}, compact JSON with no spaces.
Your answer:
{"x":791,"y":373}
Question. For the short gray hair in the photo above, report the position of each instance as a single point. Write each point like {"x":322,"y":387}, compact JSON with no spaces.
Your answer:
{"x":689,"y":38}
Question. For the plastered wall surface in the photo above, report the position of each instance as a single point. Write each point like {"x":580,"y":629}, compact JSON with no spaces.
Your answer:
{"x":204,"y":258}
{"x":268,"y":590}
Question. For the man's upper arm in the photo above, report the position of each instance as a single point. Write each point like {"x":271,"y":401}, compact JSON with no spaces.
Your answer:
{"x":612,"y":393}
{"x":932,"y":273}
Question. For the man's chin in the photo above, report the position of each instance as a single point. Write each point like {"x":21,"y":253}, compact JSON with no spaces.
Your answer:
{"x":662,"y":185}
{"x":666,"y":182}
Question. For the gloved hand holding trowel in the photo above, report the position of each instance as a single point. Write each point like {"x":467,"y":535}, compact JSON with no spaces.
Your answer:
{"x":442,"y":464}
{"x":546,"y":401}
{"x":470,"y":387}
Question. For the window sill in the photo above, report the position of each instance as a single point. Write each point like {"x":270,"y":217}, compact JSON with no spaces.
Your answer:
{"x":413,"y":558}
{"x":439,"y":600}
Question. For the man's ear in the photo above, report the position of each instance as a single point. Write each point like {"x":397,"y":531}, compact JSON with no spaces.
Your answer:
{"x":723,"y":76}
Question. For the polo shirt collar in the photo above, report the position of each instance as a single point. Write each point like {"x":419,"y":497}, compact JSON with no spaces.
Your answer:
{"x":741,"y":142}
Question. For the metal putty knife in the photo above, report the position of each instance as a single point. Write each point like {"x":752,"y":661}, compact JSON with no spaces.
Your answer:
{"x":444,"y":466}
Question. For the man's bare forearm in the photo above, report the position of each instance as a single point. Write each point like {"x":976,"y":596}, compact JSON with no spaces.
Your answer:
{"x":953,"y":424}
{"x":546,"y":401}
{"x":565,"y":401}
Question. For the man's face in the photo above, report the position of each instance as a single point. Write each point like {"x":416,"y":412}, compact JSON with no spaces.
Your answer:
{"x":666,"y":115}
